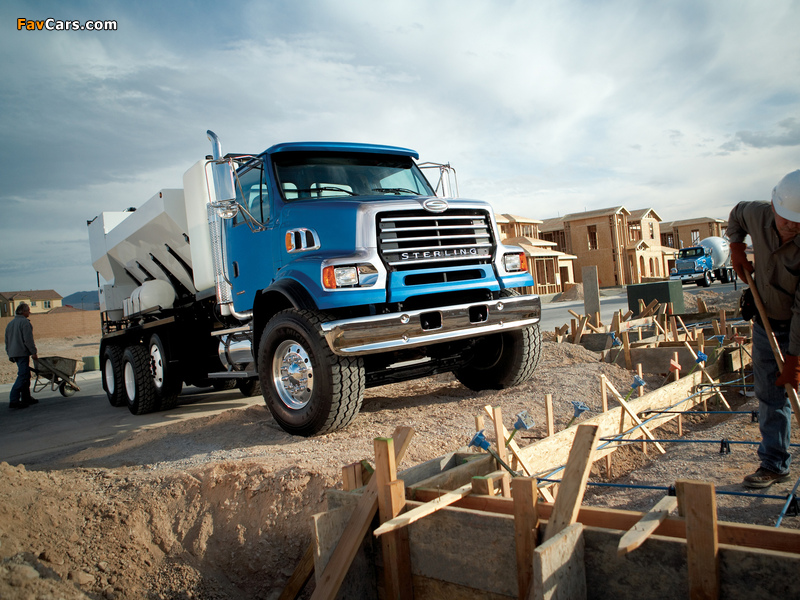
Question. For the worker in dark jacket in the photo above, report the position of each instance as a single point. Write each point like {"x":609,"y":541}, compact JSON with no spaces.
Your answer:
{"x":774,"y":229}
{"x":20,"y":347}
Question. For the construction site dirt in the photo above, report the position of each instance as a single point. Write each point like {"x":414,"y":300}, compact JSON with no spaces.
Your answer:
{"x":219,"y":507}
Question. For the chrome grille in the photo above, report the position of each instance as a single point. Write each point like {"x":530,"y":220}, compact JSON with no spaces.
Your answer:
{"x":419,"y":239}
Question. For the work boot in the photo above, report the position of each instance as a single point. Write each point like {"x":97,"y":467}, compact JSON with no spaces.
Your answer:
{"x":18,"y":405}
{"x":763,"y":478}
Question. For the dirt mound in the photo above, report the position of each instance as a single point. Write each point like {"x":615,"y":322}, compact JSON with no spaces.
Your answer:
{"x":714,"y":301}
{"x":573,"y":293}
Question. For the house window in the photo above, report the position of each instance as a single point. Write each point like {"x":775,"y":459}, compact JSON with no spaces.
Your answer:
{"x":695,"y":237}
{"x":47,"y":303}
{"x":592,"y":237}
{"x":668,"y":239}
{"x":634,"y":231}
{"x":33,"y":302}
{"x":652,"y":230}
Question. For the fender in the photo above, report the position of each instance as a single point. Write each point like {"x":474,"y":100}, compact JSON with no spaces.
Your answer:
{"x":281,"y":294}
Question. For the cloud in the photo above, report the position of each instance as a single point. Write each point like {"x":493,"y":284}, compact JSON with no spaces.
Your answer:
{"x":790,"y":136}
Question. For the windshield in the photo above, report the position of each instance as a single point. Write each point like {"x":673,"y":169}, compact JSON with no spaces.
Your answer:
{"x":690,"y":253}
{"x":345,"y":174}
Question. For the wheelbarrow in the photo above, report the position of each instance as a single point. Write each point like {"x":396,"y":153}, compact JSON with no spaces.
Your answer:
{"x":57,"y":372}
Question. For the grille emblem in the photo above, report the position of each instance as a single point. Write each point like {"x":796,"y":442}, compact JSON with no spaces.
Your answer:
{"x":435,"y":205}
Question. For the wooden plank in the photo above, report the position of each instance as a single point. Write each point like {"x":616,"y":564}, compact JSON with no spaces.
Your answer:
{"x":302,"y":573}
{"x":573,"y":483}
{"x":559,"y":569}
{"x":501,"y":436}
{"x":526,"y":522}
{"x":515,"y":449}
{"x":645,"y":527}
{"x":415,"y":514}
{"x":735,"y":534}
{"x":579,"y":331}
{"x":391,"y":501}
{"x":604,"y":400}
{"x":333,"y":574}
{"x":626,"y":407}
{"x":626,"y":347}
{"x":484,"y":485}
{"x":548,"y":409}
{"x":699,"y":504}
{"x":706,"y":376}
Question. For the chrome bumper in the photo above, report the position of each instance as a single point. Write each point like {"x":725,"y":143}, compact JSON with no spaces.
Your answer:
{"x":382,"y":333}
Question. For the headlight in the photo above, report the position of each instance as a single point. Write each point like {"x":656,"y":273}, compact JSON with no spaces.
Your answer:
{"x":515,"y":262}
{"x":698,"y":268}
{"x":348,"y":276}
{"x":673,"y":270}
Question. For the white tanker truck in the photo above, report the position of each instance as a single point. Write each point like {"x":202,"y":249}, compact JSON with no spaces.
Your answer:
{"x":709,"y":261}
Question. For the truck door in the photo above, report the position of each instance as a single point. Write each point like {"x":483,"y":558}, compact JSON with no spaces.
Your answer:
{"x":248,"y":255}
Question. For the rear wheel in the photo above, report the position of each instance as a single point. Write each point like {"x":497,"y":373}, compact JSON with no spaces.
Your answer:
{"x":223,"y":384}
{"x":166,"y":380}
{"x":112,"y":375}
{"x":249,"y":387}
{"x":308,"y":389}
{"x":140,"y":392}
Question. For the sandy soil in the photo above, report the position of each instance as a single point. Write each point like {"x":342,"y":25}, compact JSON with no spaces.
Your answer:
{"x":219,"y":507}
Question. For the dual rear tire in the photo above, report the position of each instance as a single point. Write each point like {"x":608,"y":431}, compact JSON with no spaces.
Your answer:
{"x":140,"y":377}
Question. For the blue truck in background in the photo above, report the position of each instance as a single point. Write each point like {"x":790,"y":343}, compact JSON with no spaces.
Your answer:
{"x":709,"y":260}
{"x":308,"y":273}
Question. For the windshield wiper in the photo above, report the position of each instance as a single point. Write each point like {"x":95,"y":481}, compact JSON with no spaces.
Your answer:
{"x":397,"y":191}
{"x":328,"y":188}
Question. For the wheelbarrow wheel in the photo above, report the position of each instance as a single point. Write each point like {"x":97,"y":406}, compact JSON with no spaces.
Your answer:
{"x":66,"y":389}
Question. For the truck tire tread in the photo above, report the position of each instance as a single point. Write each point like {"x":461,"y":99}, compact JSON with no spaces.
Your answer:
{"x":145,"y":399}
{"x":113,"y":354}
{"x":346,"y":379}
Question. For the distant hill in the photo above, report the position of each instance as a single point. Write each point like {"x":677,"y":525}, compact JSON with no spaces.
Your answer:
{"x":83,"y":300}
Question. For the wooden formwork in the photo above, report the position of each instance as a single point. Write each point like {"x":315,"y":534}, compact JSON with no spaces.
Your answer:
{"x":448,"y":535}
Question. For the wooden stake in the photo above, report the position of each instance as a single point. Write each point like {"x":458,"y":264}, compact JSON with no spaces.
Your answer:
{"x":640,"y":393}
{"x":573,"y":483}
{"x":701,"y":306}
{"x":581,"y":329}
{"x":707,"y":377}
{"x":501,"y":436}
{"x":300,"y":577}
{"x":526,"y":521}
{"x":633,"y":416}
{"x":643,"y":529}
{"x":391,"y":502}
{"x":548,"y":411}
{"x":698,"y":503}
{"x":604,"y":398}
{"x":626,"y":347}
{"x":342,"y":556}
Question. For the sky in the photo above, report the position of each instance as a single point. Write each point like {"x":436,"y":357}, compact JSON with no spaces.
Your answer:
{"x":544,"y":108}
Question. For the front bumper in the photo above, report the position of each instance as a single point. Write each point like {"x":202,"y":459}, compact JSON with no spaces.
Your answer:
{"x":690,"y":277}
{"x":382,"y":333}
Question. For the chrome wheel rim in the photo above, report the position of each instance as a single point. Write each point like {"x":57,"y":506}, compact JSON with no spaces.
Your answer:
{"x":157,"y":366}
{"x":292,"y":375}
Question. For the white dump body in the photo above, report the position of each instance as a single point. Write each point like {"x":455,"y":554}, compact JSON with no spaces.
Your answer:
{"x":720,"y":251}
{"x":167,"y":238}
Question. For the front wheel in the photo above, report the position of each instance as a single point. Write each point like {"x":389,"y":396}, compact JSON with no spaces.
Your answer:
{"x":502,"y":360}
{"x":308,"y":389}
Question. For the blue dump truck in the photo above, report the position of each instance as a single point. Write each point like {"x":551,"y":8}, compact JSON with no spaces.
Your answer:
{"x":308,"y":273}
{"x":709,"y":261}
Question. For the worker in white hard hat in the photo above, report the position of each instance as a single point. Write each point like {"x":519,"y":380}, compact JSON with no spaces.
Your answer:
{"x":774,"y":229}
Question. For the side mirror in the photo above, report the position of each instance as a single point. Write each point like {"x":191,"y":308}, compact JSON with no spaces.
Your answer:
{"x":224,"y":187}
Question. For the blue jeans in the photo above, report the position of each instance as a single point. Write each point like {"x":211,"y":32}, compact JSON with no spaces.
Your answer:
{"x":22,"y":386}
{"x":774,"y":411}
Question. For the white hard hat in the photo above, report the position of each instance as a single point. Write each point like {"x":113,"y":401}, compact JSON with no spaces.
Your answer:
{"x":786,"y":197}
